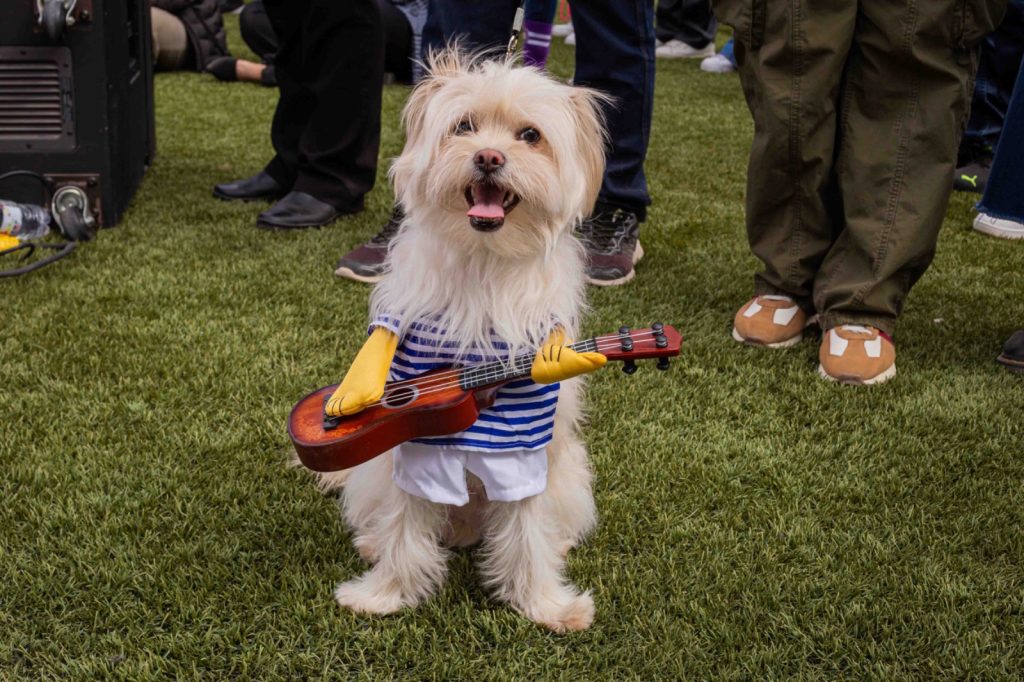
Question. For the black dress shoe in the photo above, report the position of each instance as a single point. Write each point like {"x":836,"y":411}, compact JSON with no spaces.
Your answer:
{"x":297,"y":210}
{"x":1013,"y":353}
{"x":260,"y":187}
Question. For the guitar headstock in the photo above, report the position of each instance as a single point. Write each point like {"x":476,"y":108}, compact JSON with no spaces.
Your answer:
{"x":659,"y":341}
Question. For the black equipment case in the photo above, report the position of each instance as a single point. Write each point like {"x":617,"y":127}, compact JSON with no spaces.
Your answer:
{"x":76,"y":98}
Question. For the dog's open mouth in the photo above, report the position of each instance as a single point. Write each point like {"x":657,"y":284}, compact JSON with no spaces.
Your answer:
{"x":488,"y":205}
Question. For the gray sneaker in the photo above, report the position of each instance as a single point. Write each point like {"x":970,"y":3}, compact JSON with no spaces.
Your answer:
{"x":611,"y":238}
{"x":365,"y":263}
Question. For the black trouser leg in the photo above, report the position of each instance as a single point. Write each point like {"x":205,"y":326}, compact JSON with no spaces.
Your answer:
{"x":330,"y":68}
{"x":690,"y":21}
{"x":257,"y":32}
{"x":397,"y":41}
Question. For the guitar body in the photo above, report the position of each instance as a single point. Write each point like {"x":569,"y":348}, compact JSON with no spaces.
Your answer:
{"x":414,"y":410}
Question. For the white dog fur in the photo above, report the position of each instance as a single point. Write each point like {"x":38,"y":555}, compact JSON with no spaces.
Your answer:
{"x":516,"y":280}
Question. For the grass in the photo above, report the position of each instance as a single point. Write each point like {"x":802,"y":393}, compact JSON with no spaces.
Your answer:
{"x":756,"y":521}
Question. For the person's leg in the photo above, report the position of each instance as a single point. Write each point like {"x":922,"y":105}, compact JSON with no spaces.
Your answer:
{"x":397,"y":41}
{"x":539,"y":22}
{"x":615,"y":54}
{"x":687,"y":21}
{"x":170,"y":42}
{"x":476,"y":24}
{"x":998,"y":65}
{"x":257,"y":31}
{"x":904,"y":103}
{"x":791,"y":87}
{"x":1001,"y":209}
{"x":335,"y":68}
{"x":296,"y":101}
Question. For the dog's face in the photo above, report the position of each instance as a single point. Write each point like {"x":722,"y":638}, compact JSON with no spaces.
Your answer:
{"x":499,"y":158}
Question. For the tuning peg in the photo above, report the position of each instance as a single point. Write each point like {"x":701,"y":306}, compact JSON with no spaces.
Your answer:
{"x":661,"y":341}
{"x":629,"y":366}
{"x":662,"y":364}
{"x":657,"y":328}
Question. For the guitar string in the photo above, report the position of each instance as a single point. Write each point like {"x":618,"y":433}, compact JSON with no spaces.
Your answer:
{"x":446,"y":374}
{"x":485,"y":378}
{"x":459,"y":370}
{"x":442,"y":381}
{"x":493,"y":375}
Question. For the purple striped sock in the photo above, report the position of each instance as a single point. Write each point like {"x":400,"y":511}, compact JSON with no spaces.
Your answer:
{"x":538,"y":43}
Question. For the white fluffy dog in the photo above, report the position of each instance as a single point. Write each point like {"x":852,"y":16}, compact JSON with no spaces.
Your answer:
{"x":510,"y":268}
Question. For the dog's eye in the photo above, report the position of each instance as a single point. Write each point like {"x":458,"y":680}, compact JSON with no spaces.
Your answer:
{"x":465,"y":127}
{"x":529,"y":135}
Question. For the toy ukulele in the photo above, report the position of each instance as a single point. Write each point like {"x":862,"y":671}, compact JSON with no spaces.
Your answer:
{"x":442,"y":402}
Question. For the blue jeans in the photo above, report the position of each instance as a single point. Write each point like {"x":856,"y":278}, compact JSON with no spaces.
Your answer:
{"x":999,"y":62}
{"x":614,"y":54}
{"x":1003,"y":197}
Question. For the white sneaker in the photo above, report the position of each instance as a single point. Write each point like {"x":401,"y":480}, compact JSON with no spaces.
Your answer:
{"x":571,"y":38}
{"x":677,"y":49}
{"x":997,"y":227}
{"x":561,"y":30}
{"x":718,"y":63}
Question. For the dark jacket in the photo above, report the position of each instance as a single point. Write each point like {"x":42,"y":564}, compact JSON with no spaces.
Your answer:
{"x":204,"y":26}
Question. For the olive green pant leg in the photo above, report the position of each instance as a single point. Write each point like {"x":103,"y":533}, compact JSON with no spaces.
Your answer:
{"x":904,"y":102}
{"x":790,"y":57}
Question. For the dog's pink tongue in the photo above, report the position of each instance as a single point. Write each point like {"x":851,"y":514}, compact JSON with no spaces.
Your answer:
{"x":487,"y":202}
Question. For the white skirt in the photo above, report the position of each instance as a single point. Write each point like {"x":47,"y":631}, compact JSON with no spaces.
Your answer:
{"x":438,"y":473}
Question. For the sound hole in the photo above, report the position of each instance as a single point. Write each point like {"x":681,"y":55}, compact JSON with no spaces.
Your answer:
{"x":399,"y":397}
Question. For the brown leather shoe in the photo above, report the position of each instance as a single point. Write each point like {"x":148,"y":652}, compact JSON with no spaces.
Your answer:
{"x":856,"y":355}
{"x":770,"y":321}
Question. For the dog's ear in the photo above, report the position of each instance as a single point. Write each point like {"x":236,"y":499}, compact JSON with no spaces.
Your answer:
{"x":440,"y":67}
{"x":591,"y":139}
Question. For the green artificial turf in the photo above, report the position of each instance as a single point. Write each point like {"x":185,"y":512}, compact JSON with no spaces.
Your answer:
{"x":755,"y":521}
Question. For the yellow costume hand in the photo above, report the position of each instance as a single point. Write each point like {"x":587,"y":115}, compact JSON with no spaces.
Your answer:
{"x":555,"y":361}
{"x":363,"y":385}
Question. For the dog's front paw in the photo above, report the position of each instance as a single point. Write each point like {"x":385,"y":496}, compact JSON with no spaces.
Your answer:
{"x":572,"y":615}
{"x":370,"y":595}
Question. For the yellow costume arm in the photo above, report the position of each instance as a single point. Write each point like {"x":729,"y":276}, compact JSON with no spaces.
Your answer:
{"x":363,"y":385}
{"x":555,"y":361}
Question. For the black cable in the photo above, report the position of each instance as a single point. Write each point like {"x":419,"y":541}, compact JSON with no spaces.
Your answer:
{"x":48,"y":184}
{"x":62,"y":250}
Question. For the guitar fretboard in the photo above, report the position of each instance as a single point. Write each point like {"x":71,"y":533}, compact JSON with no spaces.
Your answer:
{"x":495,"y":372}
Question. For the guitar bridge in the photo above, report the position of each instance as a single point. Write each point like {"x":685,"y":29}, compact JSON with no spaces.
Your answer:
{"x":329,"y":422}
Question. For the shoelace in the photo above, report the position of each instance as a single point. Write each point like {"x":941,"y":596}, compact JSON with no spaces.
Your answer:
{"x":390,"y":229}
{"x":608,"y":230}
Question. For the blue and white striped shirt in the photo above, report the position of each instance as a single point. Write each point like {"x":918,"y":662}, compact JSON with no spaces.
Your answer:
{"x":522,"y":416}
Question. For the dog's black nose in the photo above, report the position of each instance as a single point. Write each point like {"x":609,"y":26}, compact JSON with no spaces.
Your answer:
{"x":489,"y":160}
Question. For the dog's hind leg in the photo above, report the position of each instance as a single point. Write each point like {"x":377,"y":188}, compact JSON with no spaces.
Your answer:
{"x":569,"y":477}
{"x":366,"y":490}
{"x":410,"y":562}
{"x":523,"y":563}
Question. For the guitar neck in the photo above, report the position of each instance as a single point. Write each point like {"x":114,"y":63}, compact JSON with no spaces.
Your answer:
{"x":497,"y":372}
